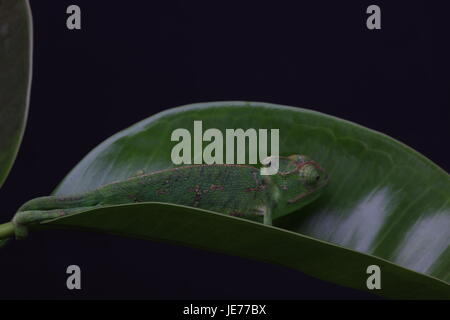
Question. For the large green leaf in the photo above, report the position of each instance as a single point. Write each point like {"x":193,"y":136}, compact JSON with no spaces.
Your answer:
{"x":384,"y":199}
{"x":15,"y":76}
{"x":209,"y":230}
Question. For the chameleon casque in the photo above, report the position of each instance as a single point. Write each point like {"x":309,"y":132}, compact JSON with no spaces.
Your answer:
{"x":236,"y":190}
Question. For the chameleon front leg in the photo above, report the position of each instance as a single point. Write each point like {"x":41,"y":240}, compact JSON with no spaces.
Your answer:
{"x":268,"y":217}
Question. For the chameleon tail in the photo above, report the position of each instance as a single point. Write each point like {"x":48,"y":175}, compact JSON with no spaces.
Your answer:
{"x":23,"y":219}
{"x":6,"y":232}
{"x":54,"y":202}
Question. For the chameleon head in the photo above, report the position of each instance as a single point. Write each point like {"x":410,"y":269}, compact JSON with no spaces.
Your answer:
{"x":299,"y":181}
{"x":311,"y":174}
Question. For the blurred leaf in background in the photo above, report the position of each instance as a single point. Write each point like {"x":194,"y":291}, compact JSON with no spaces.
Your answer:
{"x":15,"y":78}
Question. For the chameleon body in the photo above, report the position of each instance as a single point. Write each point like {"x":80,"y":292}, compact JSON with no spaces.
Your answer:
{"x":236,"y":190}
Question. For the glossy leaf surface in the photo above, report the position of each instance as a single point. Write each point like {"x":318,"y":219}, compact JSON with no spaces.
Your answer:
{"x":384,"y":199}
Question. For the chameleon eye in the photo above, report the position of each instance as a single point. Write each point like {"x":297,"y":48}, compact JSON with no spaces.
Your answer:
{"x":309,"y":174}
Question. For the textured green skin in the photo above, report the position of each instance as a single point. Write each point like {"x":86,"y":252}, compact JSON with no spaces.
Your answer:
{"x":237,"y":190}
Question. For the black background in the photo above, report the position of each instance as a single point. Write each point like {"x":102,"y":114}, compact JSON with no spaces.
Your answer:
{"x":134,"y":58}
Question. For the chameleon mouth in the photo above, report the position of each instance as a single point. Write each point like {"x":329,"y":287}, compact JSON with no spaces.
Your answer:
{"x":320,"y":185}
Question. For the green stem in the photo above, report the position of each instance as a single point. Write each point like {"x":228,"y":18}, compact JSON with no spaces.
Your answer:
{"x":6,"y":230}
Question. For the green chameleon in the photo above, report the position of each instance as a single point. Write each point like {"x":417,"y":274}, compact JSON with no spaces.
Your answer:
{"x":236,"y":190}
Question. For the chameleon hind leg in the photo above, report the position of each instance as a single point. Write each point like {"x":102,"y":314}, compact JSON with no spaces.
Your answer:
{"x":23,"y":219}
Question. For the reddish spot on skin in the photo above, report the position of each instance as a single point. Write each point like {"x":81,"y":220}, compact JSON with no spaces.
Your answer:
{"x":196,"y":189}
{"x":162,"y":191}
{"x":198,"y":195}
{"x":258,"y":211}
{"x":256,"y":189}
{"x":133,"y":197}
{"x":216,"y":187}
{"x":69,"y":198}
{"x":236,"y":214}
